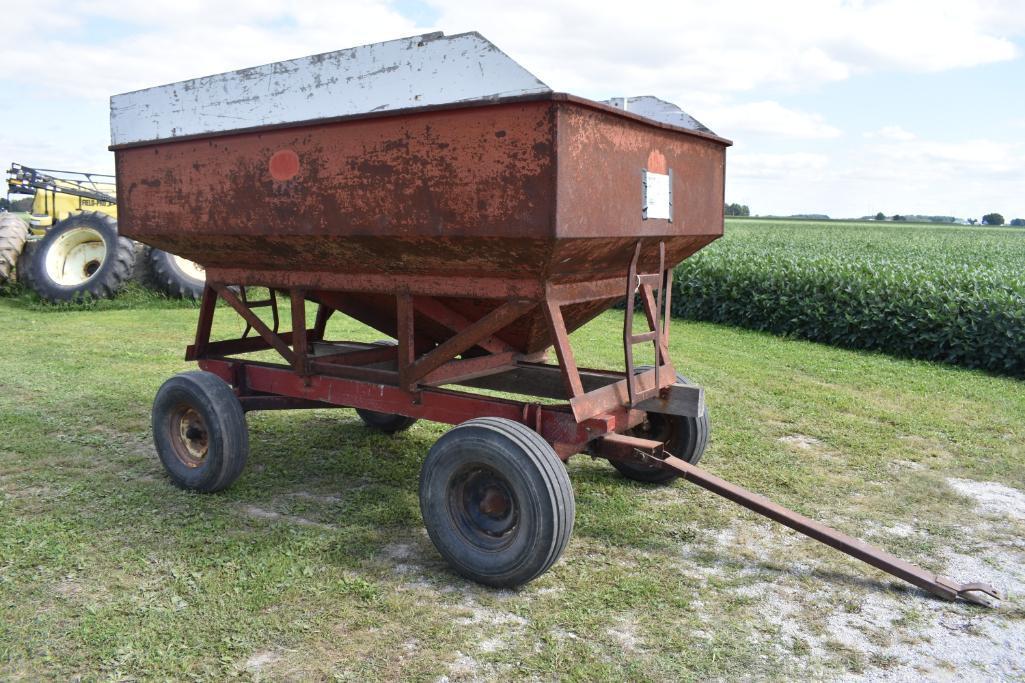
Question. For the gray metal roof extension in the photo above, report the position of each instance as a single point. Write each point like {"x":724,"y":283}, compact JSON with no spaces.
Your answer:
{"x":420,"y":71}
{"x":658,"y":110}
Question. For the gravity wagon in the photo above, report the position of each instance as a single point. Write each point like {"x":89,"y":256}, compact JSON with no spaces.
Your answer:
{"x":433,"y":189}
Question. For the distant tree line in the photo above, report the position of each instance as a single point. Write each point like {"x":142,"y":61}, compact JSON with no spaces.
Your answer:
{"x":23,"y":204}
{"x":988,"y":219}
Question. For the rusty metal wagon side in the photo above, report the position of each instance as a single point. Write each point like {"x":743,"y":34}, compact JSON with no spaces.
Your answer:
{"x":477,"y":230}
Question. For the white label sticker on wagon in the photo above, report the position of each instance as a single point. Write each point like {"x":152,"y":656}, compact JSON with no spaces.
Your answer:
{"x":657,"y":196}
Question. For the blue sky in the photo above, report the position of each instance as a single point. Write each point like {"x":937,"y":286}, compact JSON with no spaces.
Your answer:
{"x":836,"y":106}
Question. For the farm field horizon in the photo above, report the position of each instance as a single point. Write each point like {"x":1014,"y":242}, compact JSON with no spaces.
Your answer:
{"x":948,"y":293}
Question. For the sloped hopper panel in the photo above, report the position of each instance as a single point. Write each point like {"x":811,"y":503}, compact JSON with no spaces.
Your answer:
{"x":420,"y":71}
{"x":493,"y":178}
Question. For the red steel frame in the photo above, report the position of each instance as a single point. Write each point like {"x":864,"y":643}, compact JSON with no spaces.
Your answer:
{"x":407,"y":378}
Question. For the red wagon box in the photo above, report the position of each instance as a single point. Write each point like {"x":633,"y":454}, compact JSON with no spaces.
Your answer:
{"x":433,"y":189}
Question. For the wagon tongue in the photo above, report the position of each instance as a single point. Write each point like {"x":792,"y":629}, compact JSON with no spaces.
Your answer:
{"x":941,"y":586}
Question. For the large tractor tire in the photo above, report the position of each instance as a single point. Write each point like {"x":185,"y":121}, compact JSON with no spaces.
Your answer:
{"x":175,"y":276}
{"x":13,"y":233}
{"x":82,"y":257}
{"x":23,"y":269}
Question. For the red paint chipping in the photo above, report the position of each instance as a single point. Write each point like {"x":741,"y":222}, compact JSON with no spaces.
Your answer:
{"x":283,"y":164}
{"x":657,"y":162}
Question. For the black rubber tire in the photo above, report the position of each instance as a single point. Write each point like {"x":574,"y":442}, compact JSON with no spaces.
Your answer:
{"x":532,"y":489}
{"x":23,"y":270}
{"x":166,"y":275}
{"x":13,"y":233}
{"x":110,"y":274}
{"x":685,"y":437}
{"x":385,"y":422}
{"x":220,"y":434}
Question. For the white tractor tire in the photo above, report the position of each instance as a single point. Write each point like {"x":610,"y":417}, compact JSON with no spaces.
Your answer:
{"x":82,"y":257}
{"x":175,"y":276}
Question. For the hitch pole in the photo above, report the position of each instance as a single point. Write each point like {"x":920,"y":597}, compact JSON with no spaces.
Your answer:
{"x":940,"y":586}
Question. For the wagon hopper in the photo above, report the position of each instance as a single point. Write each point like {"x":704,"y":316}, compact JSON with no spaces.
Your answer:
{"x":435,"y":190}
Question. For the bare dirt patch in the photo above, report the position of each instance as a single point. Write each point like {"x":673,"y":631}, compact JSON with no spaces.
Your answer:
{"x":822,"y":616}
{"x":270,"y":515}
{"x":992,"y":498}
{"x":801,"y":441}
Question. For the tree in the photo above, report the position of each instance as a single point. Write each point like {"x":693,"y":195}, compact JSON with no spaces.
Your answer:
{"x":736,"y":210}
{"x":898,"y":217}
{"x":880,"y":216}
{"x":1018,"y":222}
{"x":993,"y":219}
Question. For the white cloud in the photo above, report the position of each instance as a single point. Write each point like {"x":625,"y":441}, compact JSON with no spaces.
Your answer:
{"x":775,"y":166}
{"x":899,"y":174}
{"x":170,"y":40}
{"x":683,"y":49}
{"x":765,"y":118}
{"x":891,"y":133}
{"x":681,"y":46}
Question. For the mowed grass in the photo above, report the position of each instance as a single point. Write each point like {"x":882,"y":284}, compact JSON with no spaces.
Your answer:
{"x":315,"y":565}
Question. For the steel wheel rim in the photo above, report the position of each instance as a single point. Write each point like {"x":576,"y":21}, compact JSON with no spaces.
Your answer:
{"x":483,"y":507}
{"x":190,"y":437}
{"x":75,"y":257}
{"x":657,"y":428}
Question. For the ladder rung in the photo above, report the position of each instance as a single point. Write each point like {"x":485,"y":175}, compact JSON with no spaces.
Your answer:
{"x":260,"y":303}
{"x":646,"y":337}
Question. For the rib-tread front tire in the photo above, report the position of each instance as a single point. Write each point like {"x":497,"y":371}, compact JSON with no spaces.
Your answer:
{"x":685,"y":437}
{"x":497,"y":502}
{"x":199,"y":430}
{"x":388,"y":423}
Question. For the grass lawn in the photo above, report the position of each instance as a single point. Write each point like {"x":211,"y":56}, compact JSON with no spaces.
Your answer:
{"x":315,"y":564}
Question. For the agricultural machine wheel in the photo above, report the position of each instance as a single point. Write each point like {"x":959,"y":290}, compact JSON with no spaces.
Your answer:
{"x":174,"y":275}
{"x":82,"y":256}
{"x":199,"y":431}
{"x":497,"y":501}
{"x":684,"y":437}
{"x":385,"y":422}
{"x":23,"y":269}
{"x":13,"y":233}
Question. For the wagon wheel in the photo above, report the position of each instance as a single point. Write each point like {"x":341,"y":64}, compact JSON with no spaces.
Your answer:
{"x":385,"y":422}
{"x":497,"y":501}
{"x":199,"y":430}
{"x":684,"y":437}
